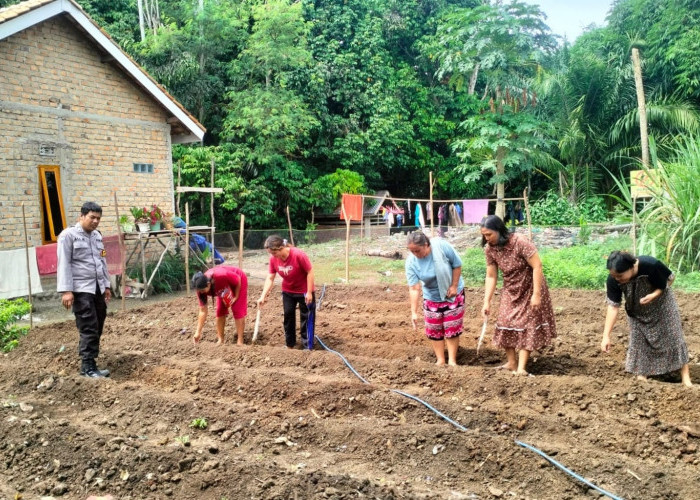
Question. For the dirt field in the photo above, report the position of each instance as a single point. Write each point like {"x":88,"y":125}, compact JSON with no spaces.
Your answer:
{"x":293,"y":424}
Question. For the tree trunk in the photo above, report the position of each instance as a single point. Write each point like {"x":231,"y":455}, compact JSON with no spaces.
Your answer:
{"x":641,"y":106}
{"x":472,"y":79}
{"x":141,"y":23}
{"x":500,"y":187}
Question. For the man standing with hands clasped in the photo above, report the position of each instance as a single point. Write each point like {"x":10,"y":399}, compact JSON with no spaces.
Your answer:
{"x":83,"y":283}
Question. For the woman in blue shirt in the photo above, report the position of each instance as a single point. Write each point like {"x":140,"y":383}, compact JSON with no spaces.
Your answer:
{"x":435,"y":268}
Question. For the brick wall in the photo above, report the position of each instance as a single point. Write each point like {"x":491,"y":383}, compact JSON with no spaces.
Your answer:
{"x":56,"y":91}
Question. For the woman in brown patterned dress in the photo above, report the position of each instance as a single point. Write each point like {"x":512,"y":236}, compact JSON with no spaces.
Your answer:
{"x":656,"y":342}
{"x":525,"y":320}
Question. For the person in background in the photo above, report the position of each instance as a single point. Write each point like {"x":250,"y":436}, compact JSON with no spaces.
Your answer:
{"x":83,"y":282}
{"x":525,"y":320}
{"x":656,"y":345}
{"x":294,"y":267}
{"x":229,"y":285}
{"x":435,"y":269}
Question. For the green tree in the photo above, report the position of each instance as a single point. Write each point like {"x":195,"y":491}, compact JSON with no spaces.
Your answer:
{"x":501,"y":46}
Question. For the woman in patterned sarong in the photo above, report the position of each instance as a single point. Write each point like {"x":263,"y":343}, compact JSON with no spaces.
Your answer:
{"x":525,"y":321}
{"x":656,"y":343}
{"x":435,"y":269}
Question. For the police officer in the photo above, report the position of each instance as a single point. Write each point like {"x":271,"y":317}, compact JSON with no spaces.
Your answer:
{"x":83,"y":283}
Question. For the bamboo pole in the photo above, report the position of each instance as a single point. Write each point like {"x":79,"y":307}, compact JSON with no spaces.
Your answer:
{"x":240,"y":242}
{"x":122,"y":251}
{"x":347,"y":243}
{"x":213,"y":224}
{"x":187,"y":246}
{"x":362,"y":227}
{"x":432,"y":230}
{"x":289,"y":223}
{"x":634,"y":225}
{"x":177,"y":207}
{"x":527,"y":213}
{"x":29,"y":272}
{"x":143,"y":260}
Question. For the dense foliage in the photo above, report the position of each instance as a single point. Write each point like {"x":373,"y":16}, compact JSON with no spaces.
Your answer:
{"x":480,"y":93}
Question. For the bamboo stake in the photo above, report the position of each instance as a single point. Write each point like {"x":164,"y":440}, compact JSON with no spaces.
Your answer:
{"x":122,"y":250}
{"x":527,"y":213}
{"x":187,"y":246}
{"x":240,"y":242}
{"x":634,"y":225}
{"x":213,"y":225}
{"x":432,"y":230}
{"x":362,"y":227}
{"x":347,"y":243}
{"x":289,"y":222}
{"x":29,"y":273}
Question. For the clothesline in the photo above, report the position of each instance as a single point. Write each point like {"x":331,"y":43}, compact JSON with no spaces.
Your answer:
{"x":435,"y":201}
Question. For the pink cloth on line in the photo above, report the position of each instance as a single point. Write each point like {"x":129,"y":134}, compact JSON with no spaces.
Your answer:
{"x":47,"y":258}
{"x":474,"y":210}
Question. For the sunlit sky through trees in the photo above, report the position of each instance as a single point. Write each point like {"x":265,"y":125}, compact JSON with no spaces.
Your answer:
{"x":571,"y":18}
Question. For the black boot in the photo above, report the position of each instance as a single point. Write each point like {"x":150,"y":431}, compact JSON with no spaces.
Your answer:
{"x":89,"y":369}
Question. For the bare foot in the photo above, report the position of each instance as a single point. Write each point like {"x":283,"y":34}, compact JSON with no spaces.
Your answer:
{"x":240,"y":342}
{"x":220,"y":341}
{"x":506,"y":367}
{"x":197,"y":338}
{"x":522,"y":373}
{"x":440,"y":363}
{"x":452,"y":363}
{"x":687,"y":383}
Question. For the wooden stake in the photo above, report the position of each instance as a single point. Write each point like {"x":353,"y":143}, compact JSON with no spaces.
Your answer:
{"x":347,"y":243}
{"x":362,"y":227}
{"x":634,"y":225}
{"x":122,"y":250}
{"x":240,"y":243}
{"x":29,"y":273}
{"x":289,"y":223}
{"x":187,"y":246}
{"x":213,"y":228}
{"x":432,"y":230}
{"x":527,"y":213}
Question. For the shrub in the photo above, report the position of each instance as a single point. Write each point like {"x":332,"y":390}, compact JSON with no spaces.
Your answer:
{"x":10,"y":312}
{"x":553,"y":210}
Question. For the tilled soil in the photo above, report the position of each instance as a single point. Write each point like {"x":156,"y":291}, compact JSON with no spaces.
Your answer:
{"x":293,"y":424}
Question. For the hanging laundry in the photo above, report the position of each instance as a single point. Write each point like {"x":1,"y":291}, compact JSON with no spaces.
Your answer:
{"x":353,"y":207}
{"x":13,"y":273}
{"x":475,"y":210}
{"x":454,"y":219}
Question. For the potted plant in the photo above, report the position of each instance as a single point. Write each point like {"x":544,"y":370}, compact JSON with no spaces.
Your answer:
{"x":155,"y":216}
{"x":125,"y":224}
{"x":141,"y":219}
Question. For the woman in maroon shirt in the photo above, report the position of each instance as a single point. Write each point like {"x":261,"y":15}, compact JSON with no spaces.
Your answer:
{"x":294,"y":267}
{"x":229,"y":285}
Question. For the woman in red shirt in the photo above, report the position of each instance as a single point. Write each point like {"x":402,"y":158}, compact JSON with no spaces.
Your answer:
{"x":230,"y":287}
{"x":294,"y":267}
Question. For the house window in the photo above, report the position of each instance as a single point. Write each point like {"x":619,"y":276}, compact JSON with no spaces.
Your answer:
{"x":47,"y":150}
{"x":143,"y":168}
{"x":53,"y":219}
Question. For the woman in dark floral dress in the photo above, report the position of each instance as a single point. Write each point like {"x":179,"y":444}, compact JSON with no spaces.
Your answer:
{"x":656,"y":342}
{"x":525,"y":320}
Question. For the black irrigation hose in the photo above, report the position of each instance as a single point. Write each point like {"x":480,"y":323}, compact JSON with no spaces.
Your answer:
{"x":459,"y":426}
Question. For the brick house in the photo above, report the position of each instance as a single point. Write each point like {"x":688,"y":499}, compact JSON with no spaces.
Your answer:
{"x":79,"y":120}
